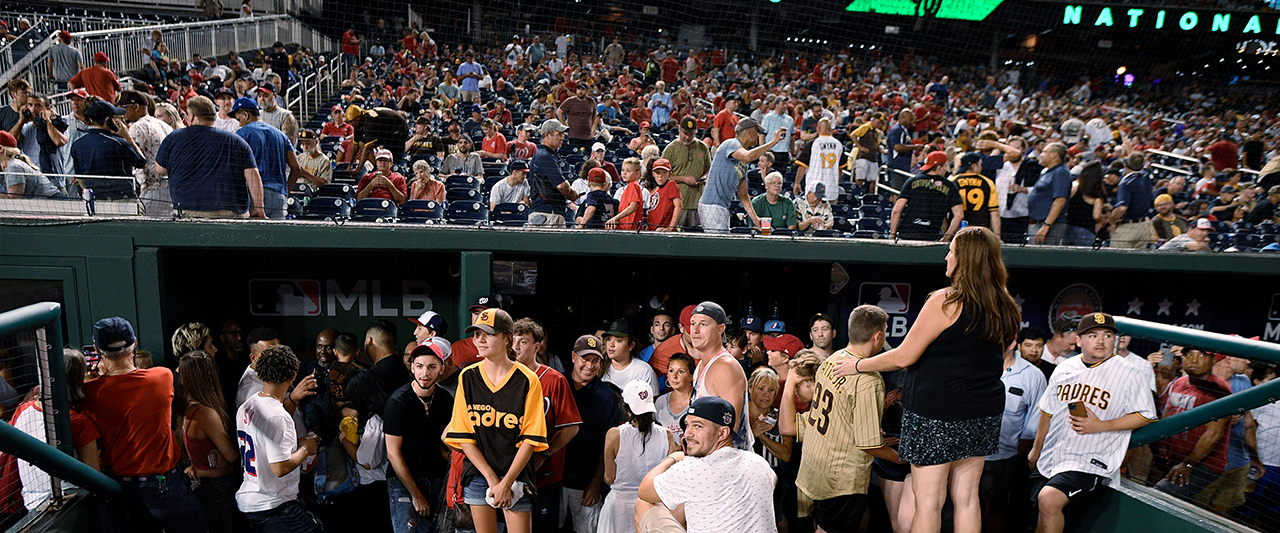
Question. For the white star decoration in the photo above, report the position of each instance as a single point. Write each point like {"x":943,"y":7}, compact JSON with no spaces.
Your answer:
{"x":1193,"y":308}
{"x":1017,"y":299}
{"x":1164,"y":307}
{"x":1135,"y":307}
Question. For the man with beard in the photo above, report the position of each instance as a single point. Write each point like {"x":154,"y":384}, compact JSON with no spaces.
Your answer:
{"x":415,"y":417}
{"x":314,"y":161}
{"x":690,"y":161}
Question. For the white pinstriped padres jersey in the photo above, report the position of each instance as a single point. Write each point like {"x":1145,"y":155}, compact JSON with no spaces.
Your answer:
{"x":843,"y":420}
{"x":1110,"y":389}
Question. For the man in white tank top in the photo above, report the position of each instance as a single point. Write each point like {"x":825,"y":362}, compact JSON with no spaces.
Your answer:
{"x":718,"y":373}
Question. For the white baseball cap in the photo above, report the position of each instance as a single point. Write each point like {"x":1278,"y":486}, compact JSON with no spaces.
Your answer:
{"x":597,"y":147}
{"x":443,"y":347}
{"x":639,"y":397}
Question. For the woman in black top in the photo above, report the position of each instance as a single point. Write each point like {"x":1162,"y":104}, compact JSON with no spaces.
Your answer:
{"x":1084,"y":208}
{"x":952,"y":396}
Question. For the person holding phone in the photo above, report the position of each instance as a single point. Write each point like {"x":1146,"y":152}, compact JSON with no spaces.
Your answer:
{"x":1090,"y":407}
{"x":107,"y":149}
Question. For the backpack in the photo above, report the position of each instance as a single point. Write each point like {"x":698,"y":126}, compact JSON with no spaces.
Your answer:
{"x":335,"y":471}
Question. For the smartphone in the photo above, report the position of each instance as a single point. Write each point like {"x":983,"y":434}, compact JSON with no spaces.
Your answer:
{"x":91,"y":356}
{"x":1078,"y":409}
{"x":1167,"y":352}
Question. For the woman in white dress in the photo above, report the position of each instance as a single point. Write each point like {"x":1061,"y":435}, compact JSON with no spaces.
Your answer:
{"x":631,"y":450}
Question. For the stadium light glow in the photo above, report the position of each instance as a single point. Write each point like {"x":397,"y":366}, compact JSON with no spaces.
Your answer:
{"x":1121,"y":70}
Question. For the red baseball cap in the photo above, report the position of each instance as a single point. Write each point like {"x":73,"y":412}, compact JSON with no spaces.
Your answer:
{"x":644,"y":124}
{"x":64,"y":34}
{"x":787,"y":343}
{"x":597,"y":175}
{"x":686,"y":316}
{"x":934,"y":159}
{"x":101,"y":57}
{"x":662,"y":164}
{"x":79,"y":91}
{"x":7,"y":140}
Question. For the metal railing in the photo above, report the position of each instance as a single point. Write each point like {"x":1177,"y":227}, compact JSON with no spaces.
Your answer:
{"x":210,"y":38}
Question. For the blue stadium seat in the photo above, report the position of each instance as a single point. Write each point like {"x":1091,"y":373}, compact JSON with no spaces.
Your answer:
{"x":843,"y":210}
{"x":293,"y":207}
{"x":743,"y":230}
{"x":302,"y":190}
{"x":326,"y":208}
{"x":842,"y":224}
{"x":337,"y":190}
{"x":872,"y":211}
{"x":463,"y":194}
{"x":374,"y":210}
{"x":467,"y":212}
{"x":462,"y":181}
{"x":422,"y":212}
{"x":785,"y":232}
{"x":510,"y":214}
{"x":489,"y":182}
{"x":875,"y":199}
{"x":826,"y":233}
{"x":870,"y":228}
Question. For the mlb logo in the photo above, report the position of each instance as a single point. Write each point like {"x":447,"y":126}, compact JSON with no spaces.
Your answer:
{"x":284,"y":297}
{"x":894,"y":298}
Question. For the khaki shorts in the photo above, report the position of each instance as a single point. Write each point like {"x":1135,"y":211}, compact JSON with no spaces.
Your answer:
{"x":1132,"y":235}
{"x":1226,"y":491}
{"x":659,"y":520}
{"x":545,"y":220}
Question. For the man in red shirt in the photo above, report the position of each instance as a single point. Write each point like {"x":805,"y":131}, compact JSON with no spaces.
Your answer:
{"x":383,"y":182}
{"x":350,"y":46}
{"x":670,"y":70}
{"x":1198,"y":455}
{"x":339,"y":126}
{"x":726,"y":120}
{"x":131,"y":407}
{"x":563,"y":421}
{"x":99,"y":80}
{"x":1225,"y":153}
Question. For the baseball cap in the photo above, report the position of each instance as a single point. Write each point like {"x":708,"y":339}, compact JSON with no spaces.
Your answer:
{"x":1228,"y":189}
{"x":775,"y":326}
{"x":1163,"y":198}
{"x":969,"y":159}
{"x":551,"y":125}
{"x":112,"y":330}
{"x":433,"y":321}
{"x":1094,"y":321}
{"x":7,"y":140}
{"x":597,"y":147}
{"x":79,"y":92}
{"x":101,"y":57}
{"x":268,"y":87}
{"x":686,"y":315}
{"x":64,"y":34}
{"x":443,"y":347}
{"x":518,"y":164}
{"x":422,"y":119}
{"x":485,"y":302}
{"x":100,"y":111}
{"x":934,"y":159}
{"x":527,"y":127}
{"x":223,"y":91}
{"x":752,"y":323}
{"x":587,"y":345}
{"x":663,"y":164}
{"x":131,"y":97}
{"x":1204,"y":224}
{"x":493,"y":321}
{"x":688,"y":124}
{"x":639,"y":397}
{"x":712,"y":310}
{"x":426,"y":347}
{"x":788,"y":344}
{"x":244,"y":102}
{"x":475,"y":108}
{"x":597,"y":175}
{"x":820,"y":189}
{"x":644,"y":124}
{"x":571,"y":85}
{"x":383,"y":153}
{"x":336,"y":109}
{"x":619,"y":328}
{"x":746,"y":124}
{"x":714,"y":409}
{"x":278,"y":44}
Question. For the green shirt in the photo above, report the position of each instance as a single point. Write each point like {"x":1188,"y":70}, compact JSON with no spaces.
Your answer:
{"x":693,"y":160}
{"x":783,"y":213}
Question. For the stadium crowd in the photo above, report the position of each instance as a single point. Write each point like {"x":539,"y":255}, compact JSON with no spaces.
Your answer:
{"x":686,"y":139}
{"x":698,"y":422}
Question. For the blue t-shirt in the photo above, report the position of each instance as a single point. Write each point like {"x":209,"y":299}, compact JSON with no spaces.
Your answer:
{"x":470,"y":84}
{"x":1053,"y":183}
{"x":102,"y":153}
{"x":1135,"y":193}
{"x":545,"y":174}
{"x":899,"y":160}
{"x":1237,"y":453}
{"x":606,"y":207}
{"x":206,"y":168}
{"x":725,"y":173}
{"x":271,"y":150}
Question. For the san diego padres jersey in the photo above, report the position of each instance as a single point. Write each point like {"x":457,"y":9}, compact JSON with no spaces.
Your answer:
{"x":843,"y":420}
{"x":1110,"y":389}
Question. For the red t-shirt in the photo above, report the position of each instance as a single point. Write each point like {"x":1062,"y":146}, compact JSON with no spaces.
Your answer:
{"x":504,"y":117}
{"x":133,"y":416}
{"x":82,"y":429}
{"x":495,"y":145}
{"x":1183,"y":395}
{"x":333,"y":130}
{"x":349,"y":43}
{"x":521,"y":150}
{"x":1225,"y":154}
{"x":661,"y":207}
{"x":465,"y":353}
{"x":726,"y":121}
{"x":381,"y":191}
{"x":99,"y":81}
{"x":629,"y":195}
{"x":561,"y":410}
{"x":670,"y":70}
{"x":662,"y":354}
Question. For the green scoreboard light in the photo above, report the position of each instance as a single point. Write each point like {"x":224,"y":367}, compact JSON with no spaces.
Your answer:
{"x":943,"y":9}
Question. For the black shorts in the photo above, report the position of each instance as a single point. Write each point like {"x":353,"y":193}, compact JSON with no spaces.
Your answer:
{"x":841,"y":514}
{"x":996,"y":481}
{"x":1073,"y":484}
{"x":890,"y":470}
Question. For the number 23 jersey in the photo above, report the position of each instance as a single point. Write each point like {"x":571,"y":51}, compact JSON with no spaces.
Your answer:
{"x":843,"y":415}
{"x":265,"y":434}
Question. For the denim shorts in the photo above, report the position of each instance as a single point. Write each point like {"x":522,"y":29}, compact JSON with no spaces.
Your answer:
{"x":473,"y":494}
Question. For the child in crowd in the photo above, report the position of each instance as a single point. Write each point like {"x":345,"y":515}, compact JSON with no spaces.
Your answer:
{"x":633,"y":199}
{"x":598,"y":205}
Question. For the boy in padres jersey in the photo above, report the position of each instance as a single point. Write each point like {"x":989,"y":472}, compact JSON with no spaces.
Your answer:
{"x":841,"y":431}
{"x":820,"y":162}
{"x":1077,"y":454}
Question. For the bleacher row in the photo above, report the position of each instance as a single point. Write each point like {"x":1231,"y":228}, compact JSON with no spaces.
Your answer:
{"x":1239,"y":236}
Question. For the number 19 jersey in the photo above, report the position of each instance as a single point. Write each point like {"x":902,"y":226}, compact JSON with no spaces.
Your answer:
{"x":824,"y":157}
{"x":265,"y":433}
{"x":843,"y":420}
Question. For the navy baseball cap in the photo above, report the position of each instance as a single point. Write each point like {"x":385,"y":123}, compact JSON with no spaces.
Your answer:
{"x":224,"y":91}
{"x":752,"y":323}
{"x":775,"y":326}
{"x":268,"y":87}
{"x":485,"y":302}
{"x":715,"y":409}
{"x":518,"y":164}
{"x":101,"y":111}
{"x":619,"y":328}
{"x":244,"y":102}
{"x":712,"y":310}
{"x":113,"y":330}
{"x":969,"y":159}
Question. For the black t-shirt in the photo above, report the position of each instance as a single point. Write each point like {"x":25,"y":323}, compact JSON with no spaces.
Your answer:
{"x":8,"y":118}
{"x":958,"y":375}
{"x":392,"y":372}
{"x":601,"y":409}
{"x":929,"y":201}
{"x":430,"y":144}
{"x":1264,"y":211}
{"x":406,"y":416}
{"x":280,"y":63}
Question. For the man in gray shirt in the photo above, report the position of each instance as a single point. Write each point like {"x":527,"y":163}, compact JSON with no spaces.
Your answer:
{"x":275,"y":115}
{"x":728,"y":176}
{"x":64,"y":60}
